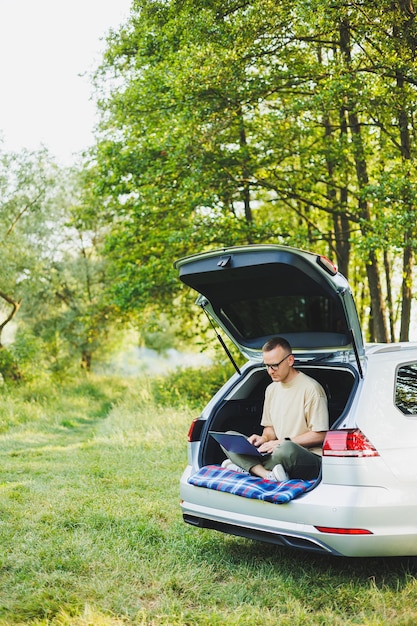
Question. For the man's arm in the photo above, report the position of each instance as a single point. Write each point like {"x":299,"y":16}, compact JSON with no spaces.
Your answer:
{"x":310,"y":439}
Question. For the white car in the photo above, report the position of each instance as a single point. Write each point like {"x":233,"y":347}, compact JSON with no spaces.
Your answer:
{"x":365,"y":501}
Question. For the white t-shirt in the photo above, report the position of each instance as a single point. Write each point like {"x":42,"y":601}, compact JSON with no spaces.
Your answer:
{"x":296,"y":407}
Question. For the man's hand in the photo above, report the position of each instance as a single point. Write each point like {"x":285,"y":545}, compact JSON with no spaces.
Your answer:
{"x":256,"y":440}
{"x":268,"y":436}
{"x":269,"y":446}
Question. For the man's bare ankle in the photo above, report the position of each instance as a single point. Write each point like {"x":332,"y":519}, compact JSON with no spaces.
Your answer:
{"x":258,"y":470}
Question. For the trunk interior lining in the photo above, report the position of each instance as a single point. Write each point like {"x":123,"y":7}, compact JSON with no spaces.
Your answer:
{"x":244,"y":414}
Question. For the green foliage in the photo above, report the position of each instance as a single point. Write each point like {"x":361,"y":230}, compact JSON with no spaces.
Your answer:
{"x":192,"y":387}
{"x":53,"y":273}
{"x":9,"y":368}
{"x":227,"y":123}
{"x":41,"y":405}
{"x":30,"y":217}
{"x":223,"y":123}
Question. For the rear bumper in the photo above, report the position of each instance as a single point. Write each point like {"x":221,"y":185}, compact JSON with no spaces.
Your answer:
{"x":388,"y":515}
{"x":257,"y":533}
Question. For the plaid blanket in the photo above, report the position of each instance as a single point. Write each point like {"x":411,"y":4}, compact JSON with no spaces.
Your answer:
{"x":247,"y":486}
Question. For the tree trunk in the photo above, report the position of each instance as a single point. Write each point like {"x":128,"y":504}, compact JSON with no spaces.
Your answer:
{"x":343,"y":220}
{"x":86,"y":359}
{"x":379,"y":325}
{"x":406,"y":293}
{"x":390,"y":303}
{"x":408,"y":256}
{"x":245,"y":169}
{"x":341,"y":227}
{"x":15,"y":304}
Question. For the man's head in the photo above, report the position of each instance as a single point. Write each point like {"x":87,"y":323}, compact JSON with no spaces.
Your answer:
{"x":278,"y":359}
{"x":274,"y":342}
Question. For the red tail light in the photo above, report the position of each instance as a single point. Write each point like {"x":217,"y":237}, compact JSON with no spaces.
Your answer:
{"x":344,"y":531}
{"x":348,"y":443}
{"x":195,"y":429}
{"x":190,"y":430}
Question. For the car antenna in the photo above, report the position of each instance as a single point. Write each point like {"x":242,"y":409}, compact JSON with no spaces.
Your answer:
{"x":223,"y":345}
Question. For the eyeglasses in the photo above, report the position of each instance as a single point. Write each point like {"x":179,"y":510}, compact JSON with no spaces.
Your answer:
{"x":275,"y":366}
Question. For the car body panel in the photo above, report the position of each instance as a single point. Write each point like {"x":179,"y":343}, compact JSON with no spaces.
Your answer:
{"x":387,"y":513}
{"x":392,"y":433}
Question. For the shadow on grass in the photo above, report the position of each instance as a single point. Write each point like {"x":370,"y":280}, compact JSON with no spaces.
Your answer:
{"x":390,"y":572}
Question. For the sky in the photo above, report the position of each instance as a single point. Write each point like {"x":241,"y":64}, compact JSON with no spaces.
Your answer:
{"x":46,"y":49}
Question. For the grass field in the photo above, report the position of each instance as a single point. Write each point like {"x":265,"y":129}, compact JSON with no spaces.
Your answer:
{"x":91,"y":530}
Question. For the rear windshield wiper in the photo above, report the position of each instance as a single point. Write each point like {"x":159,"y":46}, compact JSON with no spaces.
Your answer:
{"x":322,"y":357}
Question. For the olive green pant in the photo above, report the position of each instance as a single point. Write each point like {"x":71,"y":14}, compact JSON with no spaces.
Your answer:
{"x":297,"y":461}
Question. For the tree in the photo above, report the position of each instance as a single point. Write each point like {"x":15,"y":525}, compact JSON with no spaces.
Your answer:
{"x":26,"y":180}
{"x":70,"y":310}
{"x":237,"y":122}
{"x":53,"y":273}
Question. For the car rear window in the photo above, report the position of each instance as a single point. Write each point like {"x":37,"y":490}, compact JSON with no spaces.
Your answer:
{"x":283,"y":314}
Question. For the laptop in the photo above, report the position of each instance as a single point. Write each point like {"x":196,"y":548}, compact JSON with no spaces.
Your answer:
{"x":236,"y":443}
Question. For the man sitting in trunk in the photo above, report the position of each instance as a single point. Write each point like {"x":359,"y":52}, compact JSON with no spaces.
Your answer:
{"x":295,"y":419}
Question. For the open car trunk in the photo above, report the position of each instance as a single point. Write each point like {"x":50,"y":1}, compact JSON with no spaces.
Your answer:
{"x":241,"y":408}
{"x":256,"y":292}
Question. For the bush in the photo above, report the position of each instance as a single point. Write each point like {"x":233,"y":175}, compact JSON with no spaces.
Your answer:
{"x":191,"y":386}
{"x":9,"y":368}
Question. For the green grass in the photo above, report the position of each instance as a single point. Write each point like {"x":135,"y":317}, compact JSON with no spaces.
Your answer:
{"x":91,"y":530}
